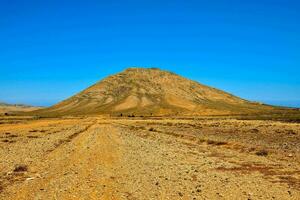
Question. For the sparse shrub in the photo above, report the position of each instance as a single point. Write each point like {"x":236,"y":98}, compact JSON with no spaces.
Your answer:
{"x":291,"y":132}
{"x":262,"y":152}
{"x":32,"y":136}
{"x":218,"y":143}
{"x":210,"y":142}
{"x":20,"y":168}
{"x":254,"y":130}
{"x":251,"y":149}
{"x":151,"y":129}
{"x":36,"y":117}
{"x":200,"y":141}
{"x":12,"y":136}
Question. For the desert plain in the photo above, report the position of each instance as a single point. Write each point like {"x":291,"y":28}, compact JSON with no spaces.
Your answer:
{"x":94,"y":157}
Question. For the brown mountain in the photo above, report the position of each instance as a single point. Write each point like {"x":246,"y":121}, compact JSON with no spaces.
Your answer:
{"x":144,"y":91}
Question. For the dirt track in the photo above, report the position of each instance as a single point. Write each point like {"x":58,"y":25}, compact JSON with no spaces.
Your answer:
{"x":129,"y":159}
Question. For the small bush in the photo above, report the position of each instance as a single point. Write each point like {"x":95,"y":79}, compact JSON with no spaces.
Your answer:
{"x":200,"y":141}
{"x":12,"y":136}
{"x":254,"y":130}
{"x":151,"y":129}
{"x":21,"y":168}
{"x":32,"y":136}
{"x":218,"y":143}
{"x":262,"y":153}
{"x":291,"y":132}
{"x":210,"y":142}
{"x":36,"y":117}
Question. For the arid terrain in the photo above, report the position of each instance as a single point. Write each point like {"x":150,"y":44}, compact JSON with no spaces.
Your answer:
{"x":148,"y":158}
{"x":151,"y":134}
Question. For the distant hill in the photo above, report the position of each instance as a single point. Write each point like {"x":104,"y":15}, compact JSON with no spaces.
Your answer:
{"x":144,"y":91}
{"x":6,"y":108}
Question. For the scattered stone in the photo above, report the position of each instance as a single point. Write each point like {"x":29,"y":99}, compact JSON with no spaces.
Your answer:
{"x":30,"y":178}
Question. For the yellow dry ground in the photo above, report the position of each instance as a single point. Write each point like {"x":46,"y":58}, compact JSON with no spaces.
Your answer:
{"x":97,"y":147}
{"x":113,"y":159}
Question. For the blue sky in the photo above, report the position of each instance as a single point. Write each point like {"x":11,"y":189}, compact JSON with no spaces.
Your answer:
{"x":50,"y":50}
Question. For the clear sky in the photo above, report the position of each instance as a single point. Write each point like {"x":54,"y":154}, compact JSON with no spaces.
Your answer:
{"x":50,"y":50}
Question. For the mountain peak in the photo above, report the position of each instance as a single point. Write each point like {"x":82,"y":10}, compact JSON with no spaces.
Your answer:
{"x":142,"y":69}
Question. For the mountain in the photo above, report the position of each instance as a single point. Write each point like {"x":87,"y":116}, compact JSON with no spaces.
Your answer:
{"x":151,"y":91}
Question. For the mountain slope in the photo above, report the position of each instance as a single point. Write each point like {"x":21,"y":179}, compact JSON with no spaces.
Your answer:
{"x":143,"y":91}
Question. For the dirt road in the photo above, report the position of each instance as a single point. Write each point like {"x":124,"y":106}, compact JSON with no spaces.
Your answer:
{"x":94,"y":158}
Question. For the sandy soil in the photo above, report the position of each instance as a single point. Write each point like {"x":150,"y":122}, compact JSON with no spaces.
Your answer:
{"x":95,"y":158}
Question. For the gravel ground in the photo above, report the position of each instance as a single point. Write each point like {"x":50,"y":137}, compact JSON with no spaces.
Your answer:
{"x":96,"y":158}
